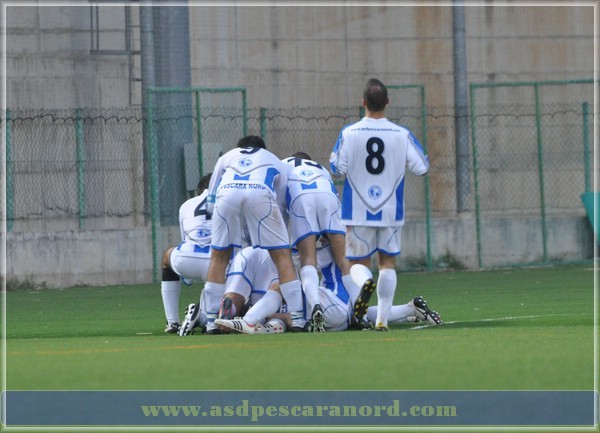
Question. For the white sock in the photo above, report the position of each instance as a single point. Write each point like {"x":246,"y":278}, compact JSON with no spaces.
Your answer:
{"x":351,"y":287}
{"x":398,"y":313}
{"x":310,"y":283}
{"x":360,"y":274}
{"x":266,"y":306}
{"x":386,"y":287}
{"x":170,"y":291}
{"x":213,"y":292}
{"x":292,"y":293}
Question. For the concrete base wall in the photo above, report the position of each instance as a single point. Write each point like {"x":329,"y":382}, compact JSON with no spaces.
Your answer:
{"x":113,"y":257}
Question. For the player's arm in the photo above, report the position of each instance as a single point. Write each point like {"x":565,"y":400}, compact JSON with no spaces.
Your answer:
{"x":213,"y":185}
{"x":280,"y":186}
{"x":338,"y":161}
{"x":416,"y":160}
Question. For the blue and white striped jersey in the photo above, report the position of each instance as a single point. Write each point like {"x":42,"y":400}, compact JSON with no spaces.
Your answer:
{"x":306,"y":176}
{"x":374,"y":155}
{"x":247,"y":167}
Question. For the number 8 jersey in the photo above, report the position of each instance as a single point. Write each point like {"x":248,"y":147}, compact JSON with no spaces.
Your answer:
{"x":374,"y":154}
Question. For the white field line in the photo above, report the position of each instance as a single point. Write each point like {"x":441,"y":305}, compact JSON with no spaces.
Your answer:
{"x":500,"y":319}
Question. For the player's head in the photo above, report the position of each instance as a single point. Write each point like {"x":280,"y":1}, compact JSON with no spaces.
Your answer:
{"x":251,"y":141}
{"x":203,"y":184}
{"x":375,"y":95}
{"x":302,"y":155}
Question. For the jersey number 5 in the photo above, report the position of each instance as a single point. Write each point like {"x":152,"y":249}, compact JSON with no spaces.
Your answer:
{"x":375,"y":162}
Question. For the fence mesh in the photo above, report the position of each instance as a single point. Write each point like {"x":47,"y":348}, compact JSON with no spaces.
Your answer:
{"x":90,"y":169}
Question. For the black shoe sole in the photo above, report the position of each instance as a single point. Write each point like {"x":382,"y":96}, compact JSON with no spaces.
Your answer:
{"x":362,"y":302}
{"x":317,"y":320}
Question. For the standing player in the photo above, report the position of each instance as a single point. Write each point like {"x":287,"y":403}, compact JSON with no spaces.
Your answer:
{"x":248,"y":187}
{"x":374,"y":154}
{"x":191,"y":258}
{"x":314,"y":211}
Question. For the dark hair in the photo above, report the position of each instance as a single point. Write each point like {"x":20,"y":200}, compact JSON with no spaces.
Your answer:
{"x":302,"y":155}
{"x":251,"y":141}
{"x":375,"y":95}
{"x":203,"y":184}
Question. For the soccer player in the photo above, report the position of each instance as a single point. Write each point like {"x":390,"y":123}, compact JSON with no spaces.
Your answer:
{"x":252,"y":291}
{"x":374,"y":155}
{"x":314,"y":210}
{"x":248,"y":187}
{"x":252,"y":271}
{"x":189,"y":260}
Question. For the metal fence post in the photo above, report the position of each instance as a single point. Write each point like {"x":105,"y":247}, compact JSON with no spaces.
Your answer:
{"x":586,"y":146}
{"x":538,"y":127}
{"x":244,"y":111}
{"x":10,"y":182}
{"x":427,"y":186}
{"x":80,"y":168}
{"x":472,"y":88}
{"x":199,"y":134}
{"x":154,"y":185}
{"x":263,"y":123}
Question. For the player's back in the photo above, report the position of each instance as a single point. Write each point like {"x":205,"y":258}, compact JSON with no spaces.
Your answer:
{"x":374,"y":156}
{"x":194,"y":222}
{"x":251,"y":165}
{"x":307,"y":176}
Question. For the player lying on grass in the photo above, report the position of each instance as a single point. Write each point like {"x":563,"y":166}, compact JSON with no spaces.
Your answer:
{"x":252,"y":266}
{"x":189,"y":260}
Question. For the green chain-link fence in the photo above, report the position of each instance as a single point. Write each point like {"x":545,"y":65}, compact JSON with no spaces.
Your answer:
{"x":86,"y":169}
{"x":531,"y":162}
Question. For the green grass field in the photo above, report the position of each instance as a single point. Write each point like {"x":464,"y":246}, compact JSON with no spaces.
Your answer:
{"x":516,"y":329}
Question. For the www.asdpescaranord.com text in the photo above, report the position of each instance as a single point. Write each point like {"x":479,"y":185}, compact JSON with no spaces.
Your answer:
{"x":256,"y":413}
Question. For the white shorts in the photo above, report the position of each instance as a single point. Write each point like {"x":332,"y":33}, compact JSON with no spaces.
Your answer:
{"x":250,"y":274}
{"x":337,"y":313}
{"x":314,"y":214}
{"x":190,"y":261}
{"x":254,"y":205}
{"x":362,"y":241}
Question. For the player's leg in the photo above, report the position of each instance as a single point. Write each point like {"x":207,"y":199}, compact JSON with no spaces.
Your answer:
{"x":290,"y":286}
{"x":388,"y":246}
{"x":336,"y":313}
{"x":252,"y":321}
{"x":337,"y":243}
{"x":398,"y":314}
{"x":170,"y":289}
{"x":309,"y":276}
{"x":386,"y":288}
{"x":214,"y":288}
{"x":361,"y":242}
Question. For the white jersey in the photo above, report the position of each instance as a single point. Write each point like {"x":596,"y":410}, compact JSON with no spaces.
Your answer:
{"x":251,"y":273}
{"x":312,"y":202}
{"x":194,"y":222}
{"x":374,"y":154}
{"x":247,"y":167}
{"x":306,"y":176}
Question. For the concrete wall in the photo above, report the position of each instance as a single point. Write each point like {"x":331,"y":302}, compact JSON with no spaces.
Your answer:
{"x":290,"y":57}
{"x":110,"y":257}
{"x":295,"y":56}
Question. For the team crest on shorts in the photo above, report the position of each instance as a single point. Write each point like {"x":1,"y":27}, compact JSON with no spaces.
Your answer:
{"x":375,"y":192}
{"x":245,"y":162}
{"x":203,"y":233}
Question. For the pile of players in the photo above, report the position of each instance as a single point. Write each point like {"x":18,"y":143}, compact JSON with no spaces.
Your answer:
{"x":279,"y":251}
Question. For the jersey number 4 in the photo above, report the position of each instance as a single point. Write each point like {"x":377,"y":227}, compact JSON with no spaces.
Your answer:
{"x":201,"y":210}
{"x":375,"y":162}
